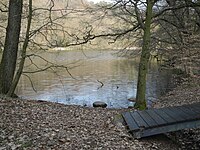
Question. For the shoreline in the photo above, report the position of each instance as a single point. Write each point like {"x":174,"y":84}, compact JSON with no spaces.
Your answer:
{"x":31,"y":124}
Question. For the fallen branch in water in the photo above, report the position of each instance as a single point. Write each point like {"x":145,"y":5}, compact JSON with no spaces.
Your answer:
{"x":101,"y":84}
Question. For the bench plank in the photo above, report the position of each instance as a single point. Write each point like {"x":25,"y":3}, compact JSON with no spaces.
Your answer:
{"x":158,"y":119}
{"x":173,"y":113}
{"x":130,"y":121}
{"x":165,"y":116}
{"x":139,"y":120}
{"x":169,"y":119}
{"x":149,"y":120}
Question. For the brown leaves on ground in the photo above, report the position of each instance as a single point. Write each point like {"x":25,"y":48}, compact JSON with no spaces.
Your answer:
{"x":187,"y":93}
{"x":26,"y":124}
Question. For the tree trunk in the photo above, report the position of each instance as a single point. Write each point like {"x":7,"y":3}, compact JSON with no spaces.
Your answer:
{"x":143,"y":65}
{"x":23,"y":54}
{"x":9,"y":57}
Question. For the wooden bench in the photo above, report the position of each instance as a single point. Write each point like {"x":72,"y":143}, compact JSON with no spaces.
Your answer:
{"x":156,"y":121}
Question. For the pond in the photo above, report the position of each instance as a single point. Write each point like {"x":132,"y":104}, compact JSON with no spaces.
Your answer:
{"x":96,"y":76}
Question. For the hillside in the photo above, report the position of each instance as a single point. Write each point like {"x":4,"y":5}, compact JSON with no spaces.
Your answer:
{"x":72,"y":22}
{"x":60,"y":23}
{"x":61,"y":4}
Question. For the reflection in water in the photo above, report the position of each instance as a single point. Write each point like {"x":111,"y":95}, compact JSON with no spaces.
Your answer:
{"x":119,"y":76}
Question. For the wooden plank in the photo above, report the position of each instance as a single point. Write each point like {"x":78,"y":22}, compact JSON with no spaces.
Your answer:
{"x":191,"y":114}
{"x":165,"y":116}
{"x":130,"y":121}
{"x":140,"y":122}
{"x":158,"y":119}
{"x":176,"y":115}
{"x":183,"y":113}
{"x":148,"y":119}
{"x":194,"y":104}
{"x":193,"y":108}
{"x":169,"y":128}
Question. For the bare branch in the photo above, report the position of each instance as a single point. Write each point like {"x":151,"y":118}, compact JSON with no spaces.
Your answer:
{"x":32,"y":85}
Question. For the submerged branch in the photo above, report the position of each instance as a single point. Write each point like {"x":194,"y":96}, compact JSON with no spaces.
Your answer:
{"x":102,"y":84}
{"x":32,"y":85}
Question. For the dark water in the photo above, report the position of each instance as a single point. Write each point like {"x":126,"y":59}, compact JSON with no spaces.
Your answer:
{"x":89,"y":70}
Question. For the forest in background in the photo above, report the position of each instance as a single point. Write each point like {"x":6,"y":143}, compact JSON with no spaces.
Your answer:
{"x":68,"y":24}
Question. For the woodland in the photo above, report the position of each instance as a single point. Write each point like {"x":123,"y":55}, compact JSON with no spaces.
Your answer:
{"x":168,"y":30}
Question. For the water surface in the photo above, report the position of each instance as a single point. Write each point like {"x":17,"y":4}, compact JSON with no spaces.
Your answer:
{"x":89,"y":70}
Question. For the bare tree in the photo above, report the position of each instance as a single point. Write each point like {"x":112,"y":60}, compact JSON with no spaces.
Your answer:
{"x":144,"y":59}
{"x":178,"y":35}
{"x":23,"y":54}
{"x":9,"y":58}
